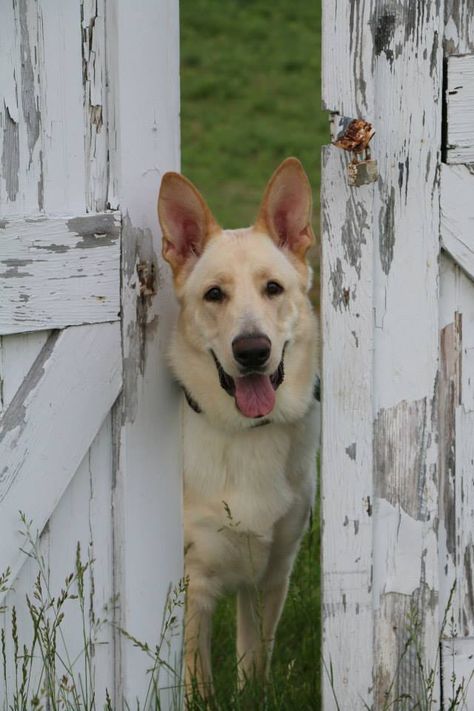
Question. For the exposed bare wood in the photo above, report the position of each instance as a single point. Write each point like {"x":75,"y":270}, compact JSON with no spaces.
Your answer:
{"x":456,"y":399}
{"x":95,"y":103}
{"x":459,"y":27}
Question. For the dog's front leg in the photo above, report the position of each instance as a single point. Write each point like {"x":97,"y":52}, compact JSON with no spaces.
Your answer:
{"x":197,"y":641}
{"x":258,"y":614}
{"x":250,"y":653}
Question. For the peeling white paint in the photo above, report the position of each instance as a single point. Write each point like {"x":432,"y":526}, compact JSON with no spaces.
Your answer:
{"x":73,"y":144}
{"x":382,"y":62}
{"x":59,"y":272}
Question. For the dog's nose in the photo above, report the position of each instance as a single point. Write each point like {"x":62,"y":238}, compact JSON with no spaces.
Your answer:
{"x":251,"y":351}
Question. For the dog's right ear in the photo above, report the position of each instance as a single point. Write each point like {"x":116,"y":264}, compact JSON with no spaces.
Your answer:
{"x":185,"y":219}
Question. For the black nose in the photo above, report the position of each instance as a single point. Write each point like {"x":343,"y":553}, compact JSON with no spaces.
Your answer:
{"x":251,"y":351}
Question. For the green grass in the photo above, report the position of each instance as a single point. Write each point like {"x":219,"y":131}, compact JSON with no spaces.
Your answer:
{"x":296,"y":667}
{"x":250,"y":97}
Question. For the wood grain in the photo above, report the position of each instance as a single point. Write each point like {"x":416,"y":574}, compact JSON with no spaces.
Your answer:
{"x":59,"y":272}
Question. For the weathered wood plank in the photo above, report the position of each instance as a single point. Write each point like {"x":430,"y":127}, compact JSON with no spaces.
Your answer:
{"x":84,"y":516}
{"x":384,"y":60}
{"x":457,"y":449}
{"x":43,"y":142}
{"x":460,"y":109}
{"x":347,"y":490}
{"x":50,"y":424}
{"x":407,"y":70}
{"x":347,"y":37}
{"x":95,"y":103}
{"x":17,"y":354}
{"x":148,"y":471}
{"x":457,"y":215}
{"x":458,"y":681}
{"x":85,"y":512}
{"x":59,"y":272}
{"x":459,"y":27}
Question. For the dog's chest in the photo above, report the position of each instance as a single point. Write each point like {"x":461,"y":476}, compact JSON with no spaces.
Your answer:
{"x":238,"y":479}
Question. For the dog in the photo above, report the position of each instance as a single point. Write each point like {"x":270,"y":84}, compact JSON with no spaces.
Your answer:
{"x":246,"y":354}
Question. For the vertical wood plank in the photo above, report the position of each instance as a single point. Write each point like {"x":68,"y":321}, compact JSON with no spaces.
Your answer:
{"x":407,"y":71}
{"x":459,"y":98}
{"x":83,"y":516}
{"x":347,"y":497}
{"x":457,"y":476}
{"x":43,"y":121}
{"x":383,"y":63}
{"x":144,"y":39}
{"x":347,"y":49}
{"x":61,"y":187}
{"x":96,"y":118}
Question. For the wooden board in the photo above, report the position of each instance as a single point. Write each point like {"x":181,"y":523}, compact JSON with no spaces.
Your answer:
{"x":456,"y":401}
{"x":43,"y":164}
{"x":59,"y":272}
{"x":50,"y":423}
{"x":460,"y":109}
{"x":147,"y":496}
{"x":347,"y":488}
{"x":17,"y":355}
{"x":457,"y":215}
{"x":83,"y":516}
{"x":383,"y":63}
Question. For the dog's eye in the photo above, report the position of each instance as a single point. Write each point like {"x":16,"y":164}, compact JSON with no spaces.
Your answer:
{"x":273,"y":288}
{"x":215,"y":293}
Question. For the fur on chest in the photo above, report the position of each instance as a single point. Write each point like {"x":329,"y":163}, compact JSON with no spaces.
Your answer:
{"x":239,"y":478}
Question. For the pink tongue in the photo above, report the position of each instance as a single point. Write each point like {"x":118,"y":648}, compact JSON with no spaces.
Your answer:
{"x":254,"y":395}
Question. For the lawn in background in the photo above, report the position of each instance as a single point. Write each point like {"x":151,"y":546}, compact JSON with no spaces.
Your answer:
{"x":250,"y":97}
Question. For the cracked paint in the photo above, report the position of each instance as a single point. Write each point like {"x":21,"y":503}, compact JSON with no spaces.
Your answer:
{"x":15,"y":415}
{"x":31,"y":112}
{"x":137,"y":253}
{"x":387,"y":232}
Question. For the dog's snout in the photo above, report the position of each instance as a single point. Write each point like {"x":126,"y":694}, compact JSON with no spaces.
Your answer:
{"x":251,"y":351}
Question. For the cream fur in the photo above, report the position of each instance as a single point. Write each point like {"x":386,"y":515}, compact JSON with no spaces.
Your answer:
{"x":248,"y":490}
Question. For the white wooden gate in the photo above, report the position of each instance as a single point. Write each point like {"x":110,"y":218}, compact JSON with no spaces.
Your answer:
{"x":88,"y":420}
{"x":398,"y":372}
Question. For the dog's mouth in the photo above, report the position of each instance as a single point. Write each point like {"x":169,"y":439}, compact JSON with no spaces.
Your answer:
{"x":254,"y":393}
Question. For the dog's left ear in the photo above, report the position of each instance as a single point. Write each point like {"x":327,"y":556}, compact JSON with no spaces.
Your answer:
{"x":285,"y":212}
{"x":186,"y":221}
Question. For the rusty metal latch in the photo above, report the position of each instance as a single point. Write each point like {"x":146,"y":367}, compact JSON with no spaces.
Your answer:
{"x":354,"y":135}
{"x":147,"y":279}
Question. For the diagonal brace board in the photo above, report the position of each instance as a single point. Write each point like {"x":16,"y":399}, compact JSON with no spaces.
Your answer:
{"x":457,"y":215}
{"x":51,"y":422}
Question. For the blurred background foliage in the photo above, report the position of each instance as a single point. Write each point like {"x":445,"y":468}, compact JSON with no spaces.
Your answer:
{"x":250,"y":97}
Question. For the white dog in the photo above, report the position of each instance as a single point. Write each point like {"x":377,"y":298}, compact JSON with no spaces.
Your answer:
{"x":246,"y":351}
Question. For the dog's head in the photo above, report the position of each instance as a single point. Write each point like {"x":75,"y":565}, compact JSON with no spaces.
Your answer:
{"x":243,"y":293}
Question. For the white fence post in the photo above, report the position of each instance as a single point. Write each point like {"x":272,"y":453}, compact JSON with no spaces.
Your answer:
{"x":144,"y":85}
{"x":382,"y":64}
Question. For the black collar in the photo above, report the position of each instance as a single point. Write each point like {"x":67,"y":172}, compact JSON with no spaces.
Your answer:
{"x":192,"y":403}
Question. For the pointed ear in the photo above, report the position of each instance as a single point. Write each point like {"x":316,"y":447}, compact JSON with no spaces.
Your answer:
{"x":185,"y":219}
{"x":285,"y":212}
